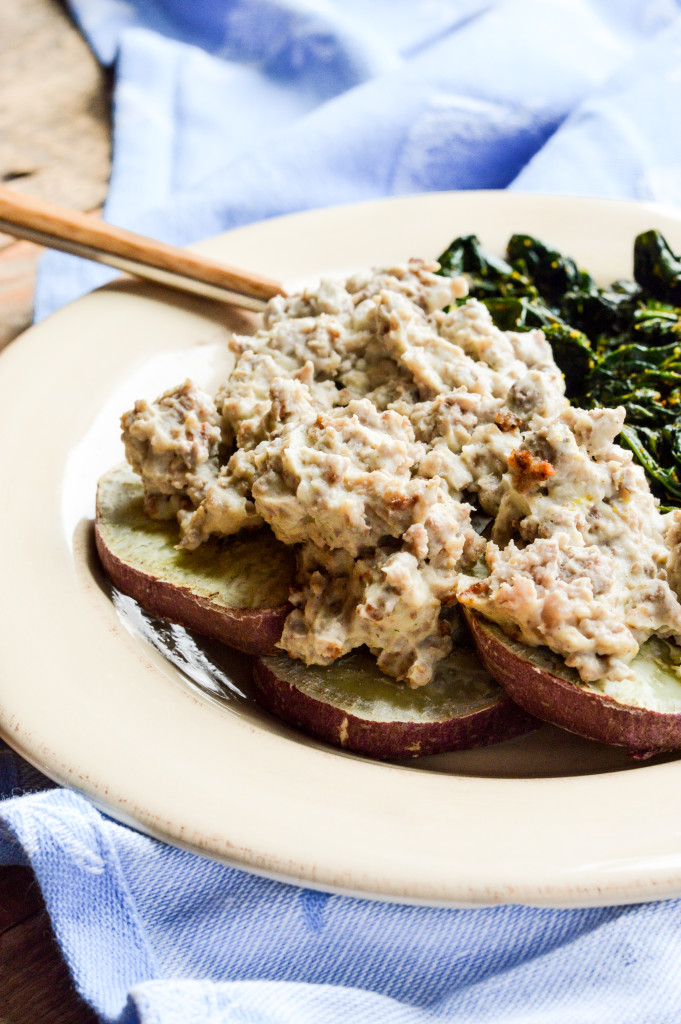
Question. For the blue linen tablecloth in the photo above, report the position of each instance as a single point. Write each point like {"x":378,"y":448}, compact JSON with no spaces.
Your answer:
{"x":228,"y":111}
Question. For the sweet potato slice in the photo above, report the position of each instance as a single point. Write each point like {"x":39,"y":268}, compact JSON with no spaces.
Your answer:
{"x":649,"y":722}
{"x":234,"y":590}
{"x":353,"y":705}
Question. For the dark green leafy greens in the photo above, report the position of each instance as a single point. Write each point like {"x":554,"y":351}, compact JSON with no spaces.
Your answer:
{"x":656,"y":268}
{"x":616,"y":345}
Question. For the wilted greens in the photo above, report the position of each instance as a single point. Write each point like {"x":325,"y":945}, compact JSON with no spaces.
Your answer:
{"x":616,"y":345}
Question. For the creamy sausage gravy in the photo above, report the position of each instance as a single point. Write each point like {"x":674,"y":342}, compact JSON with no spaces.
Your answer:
{"x":365,"y":423}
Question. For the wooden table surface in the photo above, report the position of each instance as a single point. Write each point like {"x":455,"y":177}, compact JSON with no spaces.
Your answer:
{"x":54,"y":132}
{"x":54,"y":144}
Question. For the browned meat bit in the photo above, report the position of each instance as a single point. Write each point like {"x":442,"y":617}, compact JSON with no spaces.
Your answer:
{"x":507,"y":420}
{"x":397,"y":502}
{"x":527,"y":471}
{"x":475,"y":590}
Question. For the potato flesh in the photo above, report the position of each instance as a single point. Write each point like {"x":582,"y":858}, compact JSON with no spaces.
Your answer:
{"x":354,"y":684}
{"x":252,"y":571}
{"x":657,"y":685}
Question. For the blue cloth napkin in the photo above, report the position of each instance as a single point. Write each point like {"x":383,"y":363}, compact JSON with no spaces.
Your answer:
{"x":227,"y":111}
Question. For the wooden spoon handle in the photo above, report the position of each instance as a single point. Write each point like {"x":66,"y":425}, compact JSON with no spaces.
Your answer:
{"x":84,"y":235}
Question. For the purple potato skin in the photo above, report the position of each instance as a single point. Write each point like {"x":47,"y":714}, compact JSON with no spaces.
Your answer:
{"x":252,"y":630}
{"x":384,"y":740}
{"x":561,"y":702}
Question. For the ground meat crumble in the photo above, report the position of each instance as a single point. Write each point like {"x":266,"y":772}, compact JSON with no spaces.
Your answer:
{"x":364,"y":423}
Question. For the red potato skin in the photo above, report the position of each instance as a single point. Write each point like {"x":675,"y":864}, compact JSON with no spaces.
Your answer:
{"x":582,"y":712}
{"x":252,"y":630}
{"x":387,"y":740}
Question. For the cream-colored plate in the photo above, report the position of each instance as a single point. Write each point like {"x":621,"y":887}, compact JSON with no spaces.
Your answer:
{"x":184,"y":754}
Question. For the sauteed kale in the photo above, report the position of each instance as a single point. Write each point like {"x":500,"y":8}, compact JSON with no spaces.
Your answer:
{"x":616,"y":345}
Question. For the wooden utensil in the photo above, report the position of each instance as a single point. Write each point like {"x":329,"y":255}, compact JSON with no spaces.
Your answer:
{"x":82,"y":234}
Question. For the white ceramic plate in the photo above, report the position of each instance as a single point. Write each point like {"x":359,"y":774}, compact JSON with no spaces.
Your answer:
{"x":183,"y":753}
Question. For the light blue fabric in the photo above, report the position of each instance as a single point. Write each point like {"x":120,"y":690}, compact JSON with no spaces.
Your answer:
{"x":457,"y":95}
{"x":156,"y":934}
{"x":227,"y":111}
